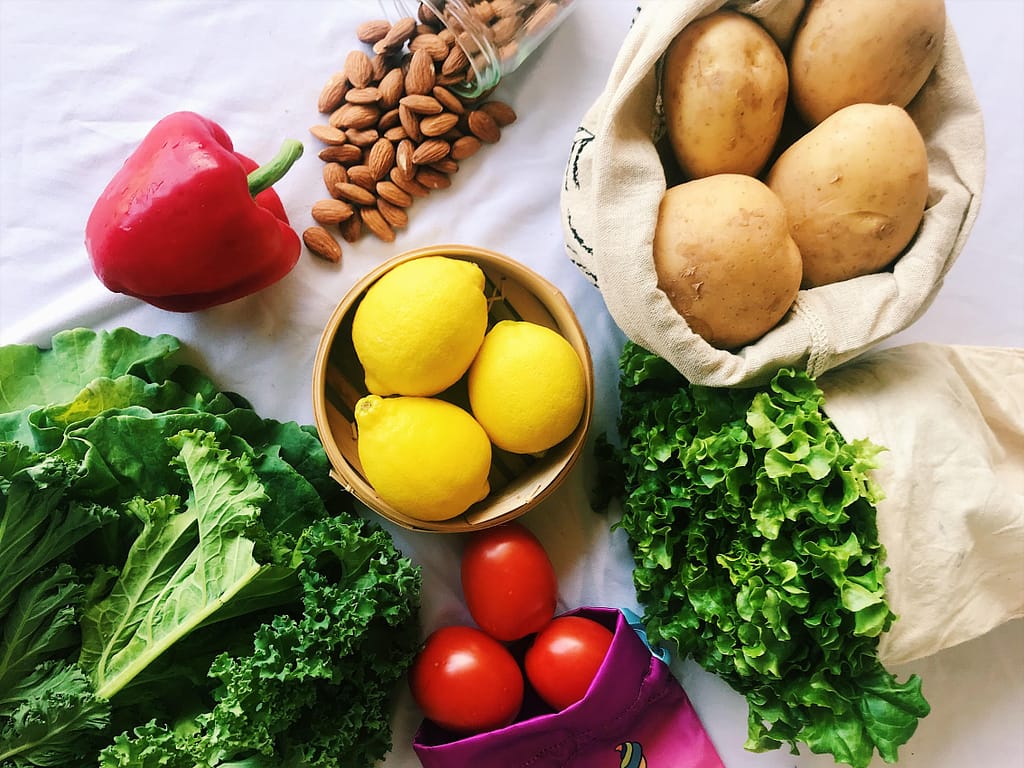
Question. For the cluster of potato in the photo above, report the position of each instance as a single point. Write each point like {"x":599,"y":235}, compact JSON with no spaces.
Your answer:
{"x":799,"y":169}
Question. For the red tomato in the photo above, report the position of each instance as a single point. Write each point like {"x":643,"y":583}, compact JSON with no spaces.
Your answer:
{"x":466,"y":681}
{"x":564,"y":658}
{"x":508,"y":582}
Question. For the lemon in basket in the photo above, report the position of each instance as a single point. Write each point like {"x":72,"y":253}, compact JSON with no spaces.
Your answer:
{"x":425,"y":457}
{"x":527,"y":387}
{"x":419,"y":326}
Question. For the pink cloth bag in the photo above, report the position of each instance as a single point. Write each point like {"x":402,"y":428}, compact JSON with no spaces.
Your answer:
{"x":635,"y":715}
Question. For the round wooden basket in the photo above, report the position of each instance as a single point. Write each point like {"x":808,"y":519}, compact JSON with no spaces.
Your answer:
{"x":518,"y":482}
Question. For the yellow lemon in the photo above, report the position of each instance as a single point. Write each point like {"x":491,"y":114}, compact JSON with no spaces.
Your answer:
{"x":425,"y":457}
{"x":527,"y":387}
{"x":418,"y":327}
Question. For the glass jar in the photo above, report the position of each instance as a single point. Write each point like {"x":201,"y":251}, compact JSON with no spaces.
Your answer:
{"x":496,"y":35}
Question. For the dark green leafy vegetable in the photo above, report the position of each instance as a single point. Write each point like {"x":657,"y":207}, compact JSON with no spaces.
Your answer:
{"x":752,"y":526}
{"x":181,"y":582}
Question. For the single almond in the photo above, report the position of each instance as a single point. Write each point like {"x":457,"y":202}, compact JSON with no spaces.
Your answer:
{"x":464,"y":147}
{"x":389,"y":120}
{"x":400,"y":31}
{"x":322,"y":244}
{"x":421,"y":104}
{"x":352,"y":228}
{"x":354,"y":193}
{"x":395,"y":215}
{"x":391,"y":88}
{"x":439,"y":124}
{"x":433,"y":179}
{"x":394,"y":194}
{"x":448,"y":100}
{"x":445,"y":165}
{"x":403,"y":157}
{"x":334,"y":173}
{"x":457,"y":78}
{"x":333,"y":93}
{"x":361,"y":176}
{"x":358,"y":68}
{"x":431,"y":151}
{"x":410,"y":121}
{"x":375,"y":222}
{"x":542,"y":16}
{"x":505,"y":7}
{"x":370,"y":94}
{"x":483,"y":10}
{"x":482,"y":126}
{"x":432,"y":44}
{"x":381,"y":158}
{"x":362,"y":137}
{"x":328,"y":134}
{"x":381,"y":66}
{"x":419,"y":77}
{"x":500,"y":112}
{"x":448,"y":36}
{"x":370,"y":32}
{"x":357,"y":116}
{"x":396,"y":134}
{"x":331,"y":211}
{"x":346,"y":154}
{"x":408,"y":183}
{"x":455,"y":62}
{"x":426,"y":15}
{"x":503,"y":30}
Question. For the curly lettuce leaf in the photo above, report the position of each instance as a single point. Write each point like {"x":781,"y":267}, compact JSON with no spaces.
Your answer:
{"x":752,"y":526}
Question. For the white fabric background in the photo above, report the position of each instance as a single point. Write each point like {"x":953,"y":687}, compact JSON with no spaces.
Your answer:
{"x":81,"y":81}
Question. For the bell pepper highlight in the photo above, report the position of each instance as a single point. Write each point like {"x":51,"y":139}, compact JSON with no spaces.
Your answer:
{"x":188,"y":223}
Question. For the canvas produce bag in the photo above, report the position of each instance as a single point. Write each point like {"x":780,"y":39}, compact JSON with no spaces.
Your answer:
{"x":615,"y":180}
{"x":951,"y":419}
{"x":635,"y":714}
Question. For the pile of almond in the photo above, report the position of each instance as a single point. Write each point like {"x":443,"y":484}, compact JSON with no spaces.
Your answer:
{"x":395,"y":130}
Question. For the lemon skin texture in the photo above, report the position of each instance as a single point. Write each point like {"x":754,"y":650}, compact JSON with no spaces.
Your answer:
{"x":419,"y":326}
{"x":527,"y":387}
{"x":425,"y":457}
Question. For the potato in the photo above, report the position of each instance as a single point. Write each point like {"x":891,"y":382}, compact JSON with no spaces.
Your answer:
{"x":724,"y":90}
{"x":854,"y":188}
{"x":866,"y":51}
{"x":724,"y":257}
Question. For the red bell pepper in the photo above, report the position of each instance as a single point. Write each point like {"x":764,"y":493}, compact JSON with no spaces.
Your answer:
{"x":188,"y":223}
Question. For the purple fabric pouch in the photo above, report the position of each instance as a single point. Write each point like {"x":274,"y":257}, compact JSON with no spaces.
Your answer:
{"x":635,"y":715}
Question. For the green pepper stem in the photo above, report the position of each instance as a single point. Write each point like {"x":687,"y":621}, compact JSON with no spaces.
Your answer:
{"x":270,"y":173}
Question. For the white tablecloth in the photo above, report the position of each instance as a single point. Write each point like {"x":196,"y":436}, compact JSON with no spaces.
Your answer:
{"x":81,"y":82}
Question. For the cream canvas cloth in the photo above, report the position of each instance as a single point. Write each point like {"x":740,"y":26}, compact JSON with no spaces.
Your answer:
{"x":615,"y":180}
{"x":952,"y":521}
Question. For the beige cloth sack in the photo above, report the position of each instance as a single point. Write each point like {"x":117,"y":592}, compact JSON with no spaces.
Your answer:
{"x":952,"y":520}
{"x":615,"y":180}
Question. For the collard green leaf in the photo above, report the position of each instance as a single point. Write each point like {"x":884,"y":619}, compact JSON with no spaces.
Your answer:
{"x":34,"y":376}
{"x":185,"y":564}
